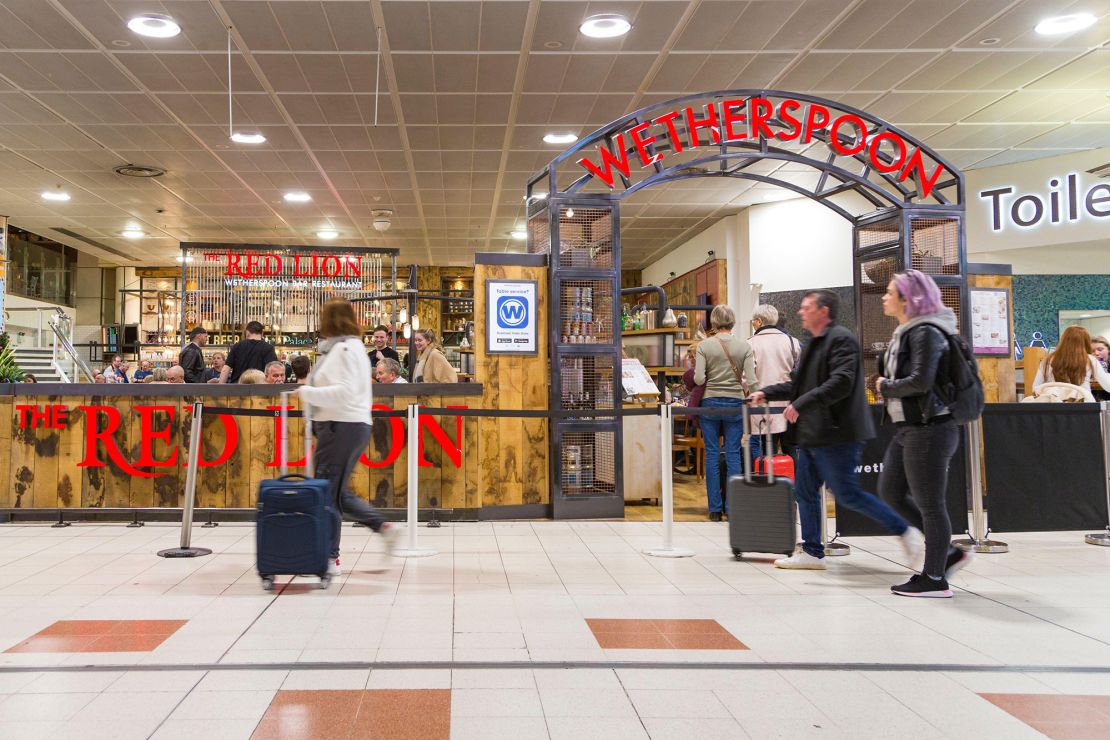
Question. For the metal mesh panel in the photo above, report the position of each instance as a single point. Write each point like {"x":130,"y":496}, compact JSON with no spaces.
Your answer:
{"x":586,"y":237}
{"x":882,"y":232}
{"x":539,"y":234}
{"x":876,"y":327}
{"x":586,"y":308}
{"x":588,"y":464}
{"x":586,"y":382}
{"x":936,"y":245}
{"x":950,"y":294}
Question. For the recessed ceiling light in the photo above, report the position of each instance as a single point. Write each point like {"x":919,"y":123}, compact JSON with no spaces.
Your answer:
{"x":327,"y":234}
{"x":154,"y":25}
{"x":245,"y":137}
{"x":605,"y":26}
{"x":121,"y":43}
{"x":58,"y":195}
{"x":1065,"y":24}
{"x":133,"y":233}
{"x":186,"y":258}
{"x":989,"y":41}
{"x":560,"y":138}
{"x":520,"y":234}
{"x":297,"y":197}
{"x":553,"y":44}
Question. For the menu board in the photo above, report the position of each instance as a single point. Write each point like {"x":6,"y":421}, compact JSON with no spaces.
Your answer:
{"x":635,"y":379}
{"x":990,"y":321}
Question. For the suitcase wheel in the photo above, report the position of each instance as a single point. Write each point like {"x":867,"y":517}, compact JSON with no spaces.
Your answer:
{"x":267,"y":583}
{"x":325,"y":580}
{"x":736,"y":553}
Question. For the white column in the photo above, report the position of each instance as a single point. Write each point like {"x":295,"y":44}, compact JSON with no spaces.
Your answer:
{"x":738,"y":270}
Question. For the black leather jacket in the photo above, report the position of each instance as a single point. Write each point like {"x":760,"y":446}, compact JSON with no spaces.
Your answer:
{"x":921,"y":359}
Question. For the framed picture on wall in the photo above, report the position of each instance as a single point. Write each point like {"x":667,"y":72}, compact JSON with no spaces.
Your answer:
{"x":990,"y":321}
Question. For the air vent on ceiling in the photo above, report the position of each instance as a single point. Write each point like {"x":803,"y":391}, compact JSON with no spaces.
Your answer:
{"x":139,"y":170}
{"x":1103,"y":170}
{"x":93,"y":242}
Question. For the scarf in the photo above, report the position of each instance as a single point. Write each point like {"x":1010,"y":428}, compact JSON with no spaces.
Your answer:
{"x":944,"y":319}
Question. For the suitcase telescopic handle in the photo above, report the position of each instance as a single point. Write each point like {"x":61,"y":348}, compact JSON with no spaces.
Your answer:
{"x":768,"y":455}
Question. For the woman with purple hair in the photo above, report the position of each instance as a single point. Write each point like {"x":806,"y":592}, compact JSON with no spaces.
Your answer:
{"x":915,"y":470}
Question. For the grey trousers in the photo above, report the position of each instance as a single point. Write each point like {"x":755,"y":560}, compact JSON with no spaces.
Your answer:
{"x":339,"y":444}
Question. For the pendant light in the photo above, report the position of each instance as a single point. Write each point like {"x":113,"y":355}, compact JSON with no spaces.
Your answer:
{"x":239,"y":137}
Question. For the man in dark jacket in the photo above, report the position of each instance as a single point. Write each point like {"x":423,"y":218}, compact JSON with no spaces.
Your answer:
{"x":828,"y":405}
{"x":191,"y":358}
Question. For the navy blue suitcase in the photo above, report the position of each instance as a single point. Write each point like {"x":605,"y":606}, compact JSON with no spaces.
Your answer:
{"x":293,"y":529}
{"x":294,"y":520}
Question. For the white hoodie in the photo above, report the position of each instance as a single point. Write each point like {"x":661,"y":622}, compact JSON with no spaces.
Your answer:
{"x":338,"y":388}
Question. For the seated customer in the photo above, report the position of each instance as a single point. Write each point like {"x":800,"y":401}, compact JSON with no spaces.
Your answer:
{"x":301,"y":368}
{"x":175,"y":374}
{"x":28,"y":378}
{"x":432,"y":366}
{"x":275,"y":372}
{"x":252,"y":377}
{"x":158,"y":375}
{"x":388,"y":371}
{"x":143,"y":372}
{"x":1072,"y":362}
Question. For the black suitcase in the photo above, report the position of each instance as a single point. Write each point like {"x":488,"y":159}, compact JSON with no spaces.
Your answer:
{"x":761,"y":508}
{"x":294,"y":519}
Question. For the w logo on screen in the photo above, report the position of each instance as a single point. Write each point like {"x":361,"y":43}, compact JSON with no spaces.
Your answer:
{"x":512,"y":312}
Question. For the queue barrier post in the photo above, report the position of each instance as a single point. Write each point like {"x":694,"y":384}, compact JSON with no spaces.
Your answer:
{"x":186,"y":550}
{"x":666,"y":430}
{"x":979,"y":535}
{"x":1103,"y":538}
{"x":832,"y":547}
{"x":411,"y":550}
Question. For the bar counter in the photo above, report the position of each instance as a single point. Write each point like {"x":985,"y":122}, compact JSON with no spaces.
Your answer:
{"x":70,"y":445}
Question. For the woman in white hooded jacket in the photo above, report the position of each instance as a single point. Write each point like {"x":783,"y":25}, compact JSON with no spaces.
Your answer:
{"x":338,"y":390}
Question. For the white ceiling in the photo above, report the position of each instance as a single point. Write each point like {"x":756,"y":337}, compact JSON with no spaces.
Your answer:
{"x":476,"y":85}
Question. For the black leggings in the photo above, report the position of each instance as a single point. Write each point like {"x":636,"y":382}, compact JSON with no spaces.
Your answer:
{"x":914,"y":482}
{"x":339,"y":444}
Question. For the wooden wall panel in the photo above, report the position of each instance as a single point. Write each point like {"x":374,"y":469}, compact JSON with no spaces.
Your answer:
{"x":7,"y":419}
{"x":512,"y":452}
{"x":240,"y":495}
{"x":999,"y":375}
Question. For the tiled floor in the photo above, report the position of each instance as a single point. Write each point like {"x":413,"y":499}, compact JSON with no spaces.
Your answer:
{"x":543,"y":629}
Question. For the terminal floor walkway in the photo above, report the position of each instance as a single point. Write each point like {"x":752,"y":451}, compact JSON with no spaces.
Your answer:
{"x":543,"y":629}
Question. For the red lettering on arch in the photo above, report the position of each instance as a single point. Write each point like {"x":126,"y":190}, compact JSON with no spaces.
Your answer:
{"x":916,"y":168}
{"x":608,"y":162}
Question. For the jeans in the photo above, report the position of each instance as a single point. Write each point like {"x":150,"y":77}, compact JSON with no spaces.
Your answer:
{"x":835,"y":466}
{"x":915,"y":480}
{"x":339,"y":444}
{"x":711,"y":428}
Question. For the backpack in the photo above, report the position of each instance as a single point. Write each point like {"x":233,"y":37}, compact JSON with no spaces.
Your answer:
{"x":965,"y":389}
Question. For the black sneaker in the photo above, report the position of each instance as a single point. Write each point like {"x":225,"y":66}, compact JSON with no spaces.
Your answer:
{"x":714,"y":516}
{"x":923,"y":586}
{"x":957,"y":560}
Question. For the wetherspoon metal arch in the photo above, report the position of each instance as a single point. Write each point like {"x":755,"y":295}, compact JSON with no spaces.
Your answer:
{"x":574,"y":216}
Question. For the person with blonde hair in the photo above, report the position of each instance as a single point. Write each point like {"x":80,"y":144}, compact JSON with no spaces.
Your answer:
{"x":1073,"y":361}
{"x":338,"y":390}
{"x":725,"y":364}
{"x":431,"y":365}
{"x":252,"y":377}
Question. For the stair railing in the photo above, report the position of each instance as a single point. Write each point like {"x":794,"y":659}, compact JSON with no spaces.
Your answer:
{"x":63,"y":353}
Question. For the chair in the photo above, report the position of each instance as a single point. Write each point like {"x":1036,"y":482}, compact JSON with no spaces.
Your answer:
{"x":687,"y":443}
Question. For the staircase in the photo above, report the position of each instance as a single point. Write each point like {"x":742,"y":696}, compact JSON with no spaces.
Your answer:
{"x":36,"y":361}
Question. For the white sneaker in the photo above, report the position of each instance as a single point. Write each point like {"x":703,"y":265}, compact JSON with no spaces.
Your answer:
{"x":333,"y":568}
{"x":389,"y":533}
{"x":913,"y":542}
{"x":801,"y":560}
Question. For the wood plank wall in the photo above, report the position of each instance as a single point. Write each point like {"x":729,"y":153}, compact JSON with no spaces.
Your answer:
{"x":513,"y":453}
{"x":40,"y":466}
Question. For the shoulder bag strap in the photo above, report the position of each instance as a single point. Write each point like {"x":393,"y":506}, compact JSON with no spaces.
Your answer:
{"x":735,"y":369}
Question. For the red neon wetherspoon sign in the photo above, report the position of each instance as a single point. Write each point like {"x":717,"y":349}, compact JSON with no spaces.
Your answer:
{"x":741,"y":119}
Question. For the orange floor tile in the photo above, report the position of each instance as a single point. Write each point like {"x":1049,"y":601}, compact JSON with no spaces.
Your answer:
{"x":663,"y":634}
{"x":1059,"y":716}
{"x":397,"y":714}
{"x":100,"y":636}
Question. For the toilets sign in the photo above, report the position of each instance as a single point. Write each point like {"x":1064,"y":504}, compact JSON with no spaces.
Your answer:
{"x":1063,"y":201}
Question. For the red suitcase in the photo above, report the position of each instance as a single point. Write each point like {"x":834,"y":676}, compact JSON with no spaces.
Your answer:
{"x":784,"y":466}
